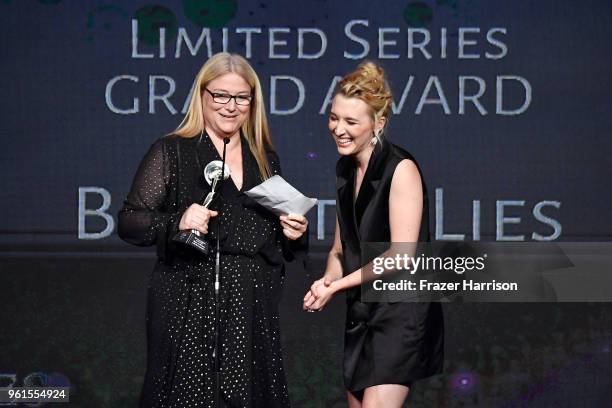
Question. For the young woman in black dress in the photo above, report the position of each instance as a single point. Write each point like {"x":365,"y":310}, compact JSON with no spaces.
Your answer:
{"x":381,"y":197}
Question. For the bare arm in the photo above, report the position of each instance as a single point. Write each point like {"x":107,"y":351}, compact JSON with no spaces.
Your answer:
{"x":333,"y":269}
{"x":405,"y":210}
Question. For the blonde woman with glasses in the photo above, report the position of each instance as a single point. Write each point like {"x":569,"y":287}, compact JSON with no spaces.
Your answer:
{"x":166,"y":197}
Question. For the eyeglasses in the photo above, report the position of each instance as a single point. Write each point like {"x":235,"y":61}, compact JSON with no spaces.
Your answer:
{"x":241,"y":99}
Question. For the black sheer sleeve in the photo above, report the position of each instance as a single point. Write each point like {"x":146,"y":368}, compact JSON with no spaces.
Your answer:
{"x":146,"y":218}
{"x":292,"y":249}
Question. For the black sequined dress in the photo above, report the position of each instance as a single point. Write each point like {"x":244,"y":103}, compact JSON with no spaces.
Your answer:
{"x":181,"y":308}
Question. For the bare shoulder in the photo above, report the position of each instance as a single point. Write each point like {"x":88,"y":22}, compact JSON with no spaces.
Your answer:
{"x":406,"y":175}
{"x":405,"y":202}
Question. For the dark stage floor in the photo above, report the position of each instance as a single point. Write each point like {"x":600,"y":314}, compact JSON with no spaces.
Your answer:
{"x":81,"y":316}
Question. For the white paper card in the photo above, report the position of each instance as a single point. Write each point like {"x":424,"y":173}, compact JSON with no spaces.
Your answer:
{"x":280,"y":197}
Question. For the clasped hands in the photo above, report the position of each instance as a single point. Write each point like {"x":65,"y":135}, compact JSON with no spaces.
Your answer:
{"x":320,"y":293}
{"x":197,"y":216}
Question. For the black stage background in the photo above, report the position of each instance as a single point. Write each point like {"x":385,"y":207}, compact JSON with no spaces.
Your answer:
{"x":83,"y":87}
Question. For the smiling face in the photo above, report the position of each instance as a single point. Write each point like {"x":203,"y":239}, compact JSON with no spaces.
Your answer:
{"x":351,"y":125}
{"x":225,"y":119}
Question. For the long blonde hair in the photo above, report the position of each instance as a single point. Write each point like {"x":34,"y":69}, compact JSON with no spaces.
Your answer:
{"x":255,"y":129}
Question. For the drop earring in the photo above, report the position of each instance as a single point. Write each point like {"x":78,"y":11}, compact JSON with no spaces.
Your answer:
{"x":374,"y":138}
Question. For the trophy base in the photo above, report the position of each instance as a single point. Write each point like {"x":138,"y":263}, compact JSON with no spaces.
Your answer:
{"x":193,"y":239}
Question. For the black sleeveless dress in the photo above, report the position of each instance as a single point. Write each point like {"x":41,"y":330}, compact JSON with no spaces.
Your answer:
{"x":384,"y":343}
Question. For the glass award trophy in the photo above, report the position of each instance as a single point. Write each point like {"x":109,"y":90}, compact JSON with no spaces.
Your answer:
{"x":213,"y":173}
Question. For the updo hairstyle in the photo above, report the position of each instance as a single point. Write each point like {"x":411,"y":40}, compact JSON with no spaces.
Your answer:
{"x":368,"y":83}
